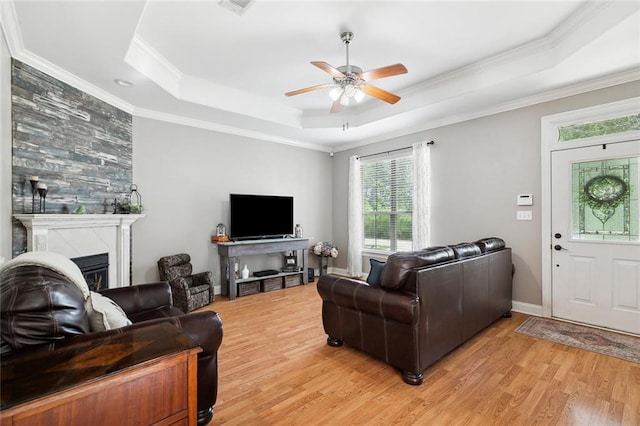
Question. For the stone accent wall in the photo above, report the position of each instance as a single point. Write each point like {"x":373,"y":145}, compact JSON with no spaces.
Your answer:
{"x":78,"y":145}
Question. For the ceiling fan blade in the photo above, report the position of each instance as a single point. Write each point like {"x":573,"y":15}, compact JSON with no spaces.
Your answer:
{"x":333,"y":72}
{"x":309,"y":89}
{"x":383,"y":72}
{"x":379,"y":93}
{"x":337,"y":106}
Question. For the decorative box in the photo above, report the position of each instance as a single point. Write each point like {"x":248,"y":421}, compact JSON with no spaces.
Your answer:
{"x":292,"y":280}
{"x":270,"y":284}
{"x":251,"y":287}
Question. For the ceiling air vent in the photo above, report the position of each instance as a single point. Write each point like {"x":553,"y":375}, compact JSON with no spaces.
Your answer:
{"x":236,"y":6}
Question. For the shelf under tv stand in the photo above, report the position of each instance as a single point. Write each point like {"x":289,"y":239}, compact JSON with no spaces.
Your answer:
{"x":230,"y":251}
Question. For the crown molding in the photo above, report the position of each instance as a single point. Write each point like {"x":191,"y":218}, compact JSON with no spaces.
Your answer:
{"x":151,"y":63}
{"x":11,"y":28}
{"x":560,"y":38}
{"x":622,"y":77}
{"x":207,"y":125}
{"x":9,"y":22}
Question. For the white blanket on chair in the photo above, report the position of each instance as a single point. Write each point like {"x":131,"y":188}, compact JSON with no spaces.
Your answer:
{"x":54,"y":261}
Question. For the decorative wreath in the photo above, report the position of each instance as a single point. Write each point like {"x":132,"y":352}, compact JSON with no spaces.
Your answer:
{"x":605,"y":190}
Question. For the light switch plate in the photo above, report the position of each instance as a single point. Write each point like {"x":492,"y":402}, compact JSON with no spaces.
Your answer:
{"x":524,"y":215}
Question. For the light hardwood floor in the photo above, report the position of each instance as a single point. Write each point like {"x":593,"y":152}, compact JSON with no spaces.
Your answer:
{"x":275,"y":368}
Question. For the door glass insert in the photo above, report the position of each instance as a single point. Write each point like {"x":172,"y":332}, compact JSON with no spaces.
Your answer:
{"x":599,"y":128}
{"x":605,"y":200}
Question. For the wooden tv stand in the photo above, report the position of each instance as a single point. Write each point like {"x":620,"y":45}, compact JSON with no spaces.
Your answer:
{"x":145,"y":375}
{"x":229,"y":252}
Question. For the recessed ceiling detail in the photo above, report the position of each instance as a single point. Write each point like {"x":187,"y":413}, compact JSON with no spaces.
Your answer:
{"x":228,"y":73}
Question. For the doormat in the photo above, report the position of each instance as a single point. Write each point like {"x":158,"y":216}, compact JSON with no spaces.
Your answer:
{"x":591,"y":339}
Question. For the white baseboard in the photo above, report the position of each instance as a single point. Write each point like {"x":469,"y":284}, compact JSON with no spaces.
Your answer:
{"x":526,"y":308}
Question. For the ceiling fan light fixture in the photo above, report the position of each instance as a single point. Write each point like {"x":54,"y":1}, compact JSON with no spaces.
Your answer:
{"x":349,"y":90}
{"x":344,"y":100}
{"x":335,"y":93}
{"x":359,"y":95}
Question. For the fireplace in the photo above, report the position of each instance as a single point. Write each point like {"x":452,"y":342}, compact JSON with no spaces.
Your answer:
{"x":95,"y":269}
{"x":75,"y":235}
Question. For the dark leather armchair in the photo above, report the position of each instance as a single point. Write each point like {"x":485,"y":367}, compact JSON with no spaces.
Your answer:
{"x":43,"y":310}
{"x":190,"y":291}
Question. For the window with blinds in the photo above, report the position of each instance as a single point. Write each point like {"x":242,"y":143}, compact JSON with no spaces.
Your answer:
{"x":387,"y":202}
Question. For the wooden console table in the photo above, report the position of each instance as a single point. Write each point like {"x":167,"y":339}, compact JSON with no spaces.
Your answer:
{"x":230,"y":251}
{"x":142,"y":376}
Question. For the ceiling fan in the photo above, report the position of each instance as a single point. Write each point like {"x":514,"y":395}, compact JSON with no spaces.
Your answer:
{"x":349,"y":82}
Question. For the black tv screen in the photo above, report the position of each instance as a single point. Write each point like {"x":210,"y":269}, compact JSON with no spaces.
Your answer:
{"x":260,"y":216}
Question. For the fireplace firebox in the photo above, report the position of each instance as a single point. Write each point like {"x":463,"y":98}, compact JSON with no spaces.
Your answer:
{"x":95,"y":269}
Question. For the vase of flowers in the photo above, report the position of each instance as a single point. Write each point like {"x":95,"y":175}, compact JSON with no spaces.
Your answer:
{"x":324,"y":251}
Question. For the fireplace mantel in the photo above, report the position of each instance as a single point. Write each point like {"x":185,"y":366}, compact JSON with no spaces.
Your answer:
{"x":84,"y":234}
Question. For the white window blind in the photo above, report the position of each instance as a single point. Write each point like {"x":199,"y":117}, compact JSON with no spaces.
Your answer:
{"x":387,"y":202}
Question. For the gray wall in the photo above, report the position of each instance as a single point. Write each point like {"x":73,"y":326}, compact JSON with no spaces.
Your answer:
{"x":478,"y":168}
{"x":185,"y":175}
{"x":5,"y":150}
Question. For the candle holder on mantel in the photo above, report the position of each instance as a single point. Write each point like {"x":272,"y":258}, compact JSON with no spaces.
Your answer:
{"x":34,"y":188}
{"x":42,"y":191}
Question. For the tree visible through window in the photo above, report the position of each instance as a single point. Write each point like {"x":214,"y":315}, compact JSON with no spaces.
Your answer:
{"x":387,"y":203}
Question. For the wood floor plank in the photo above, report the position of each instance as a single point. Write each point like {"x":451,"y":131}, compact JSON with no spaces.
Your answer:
{"x":276,"y":368}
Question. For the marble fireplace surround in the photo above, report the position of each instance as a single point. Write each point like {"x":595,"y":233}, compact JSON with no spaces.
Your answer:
{"x":82,"y":235}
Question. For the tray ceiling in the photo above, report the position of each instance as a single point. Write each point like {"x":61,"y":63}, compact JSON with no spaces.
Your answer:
{"x":197,"y":63}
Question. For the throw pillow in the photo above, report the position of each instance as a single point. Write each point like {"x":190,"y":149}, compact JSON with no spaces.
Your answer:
{"x":106,"y":314}
{"x":375,"y":273}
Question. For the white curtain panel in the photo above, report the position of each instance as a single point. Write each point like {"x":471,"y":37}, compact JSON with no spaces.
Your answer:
{"x":421,"y":228}
{"x":354,"y":250}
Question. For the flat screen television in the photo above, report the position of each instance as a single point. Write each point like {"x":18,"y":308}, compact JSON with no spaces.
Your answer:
{"x":260,"y":216}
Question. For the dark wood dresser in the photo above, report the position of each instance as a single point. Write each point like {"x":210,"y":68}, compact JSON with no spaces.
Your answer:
{"x":143,"y":376}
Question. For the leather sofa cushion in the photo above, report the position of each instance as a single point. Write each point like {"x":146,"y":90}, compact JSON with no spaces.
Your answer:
{"x":491,"y":244}
{"x":466,"y":250}
{"x":39,"y":305}
{"x":400,"y":264}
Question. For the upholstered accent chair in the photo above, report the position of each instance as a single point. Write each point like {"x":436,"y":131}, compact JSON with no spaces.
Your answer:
{"x":190,"y":291}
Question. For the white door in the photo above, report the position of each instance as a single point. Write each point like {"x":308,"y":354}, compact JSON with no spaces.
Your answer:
{"x":595,"y":224}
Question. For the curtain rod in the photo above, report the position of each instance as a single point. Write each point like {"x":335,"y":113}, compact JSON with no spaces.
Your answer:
{"x":392,"y":150}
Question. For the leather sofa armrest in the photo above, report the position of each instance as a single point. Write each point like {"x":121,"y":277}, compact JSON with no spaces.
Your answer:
{"x":360,"y":296}
{"x":141,"y":297}
{"x":327,"y":282}
{"x":204,"y":328}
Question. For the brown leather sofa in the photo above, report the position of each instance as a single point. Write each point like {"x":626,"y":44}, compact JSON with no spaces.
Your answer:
{"x":41,"y":310}
{"x":426,"y":304}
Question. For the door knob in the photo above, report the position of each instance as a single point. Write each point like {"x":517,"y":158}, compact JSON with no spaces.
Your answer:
{"x":558,"y":247}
